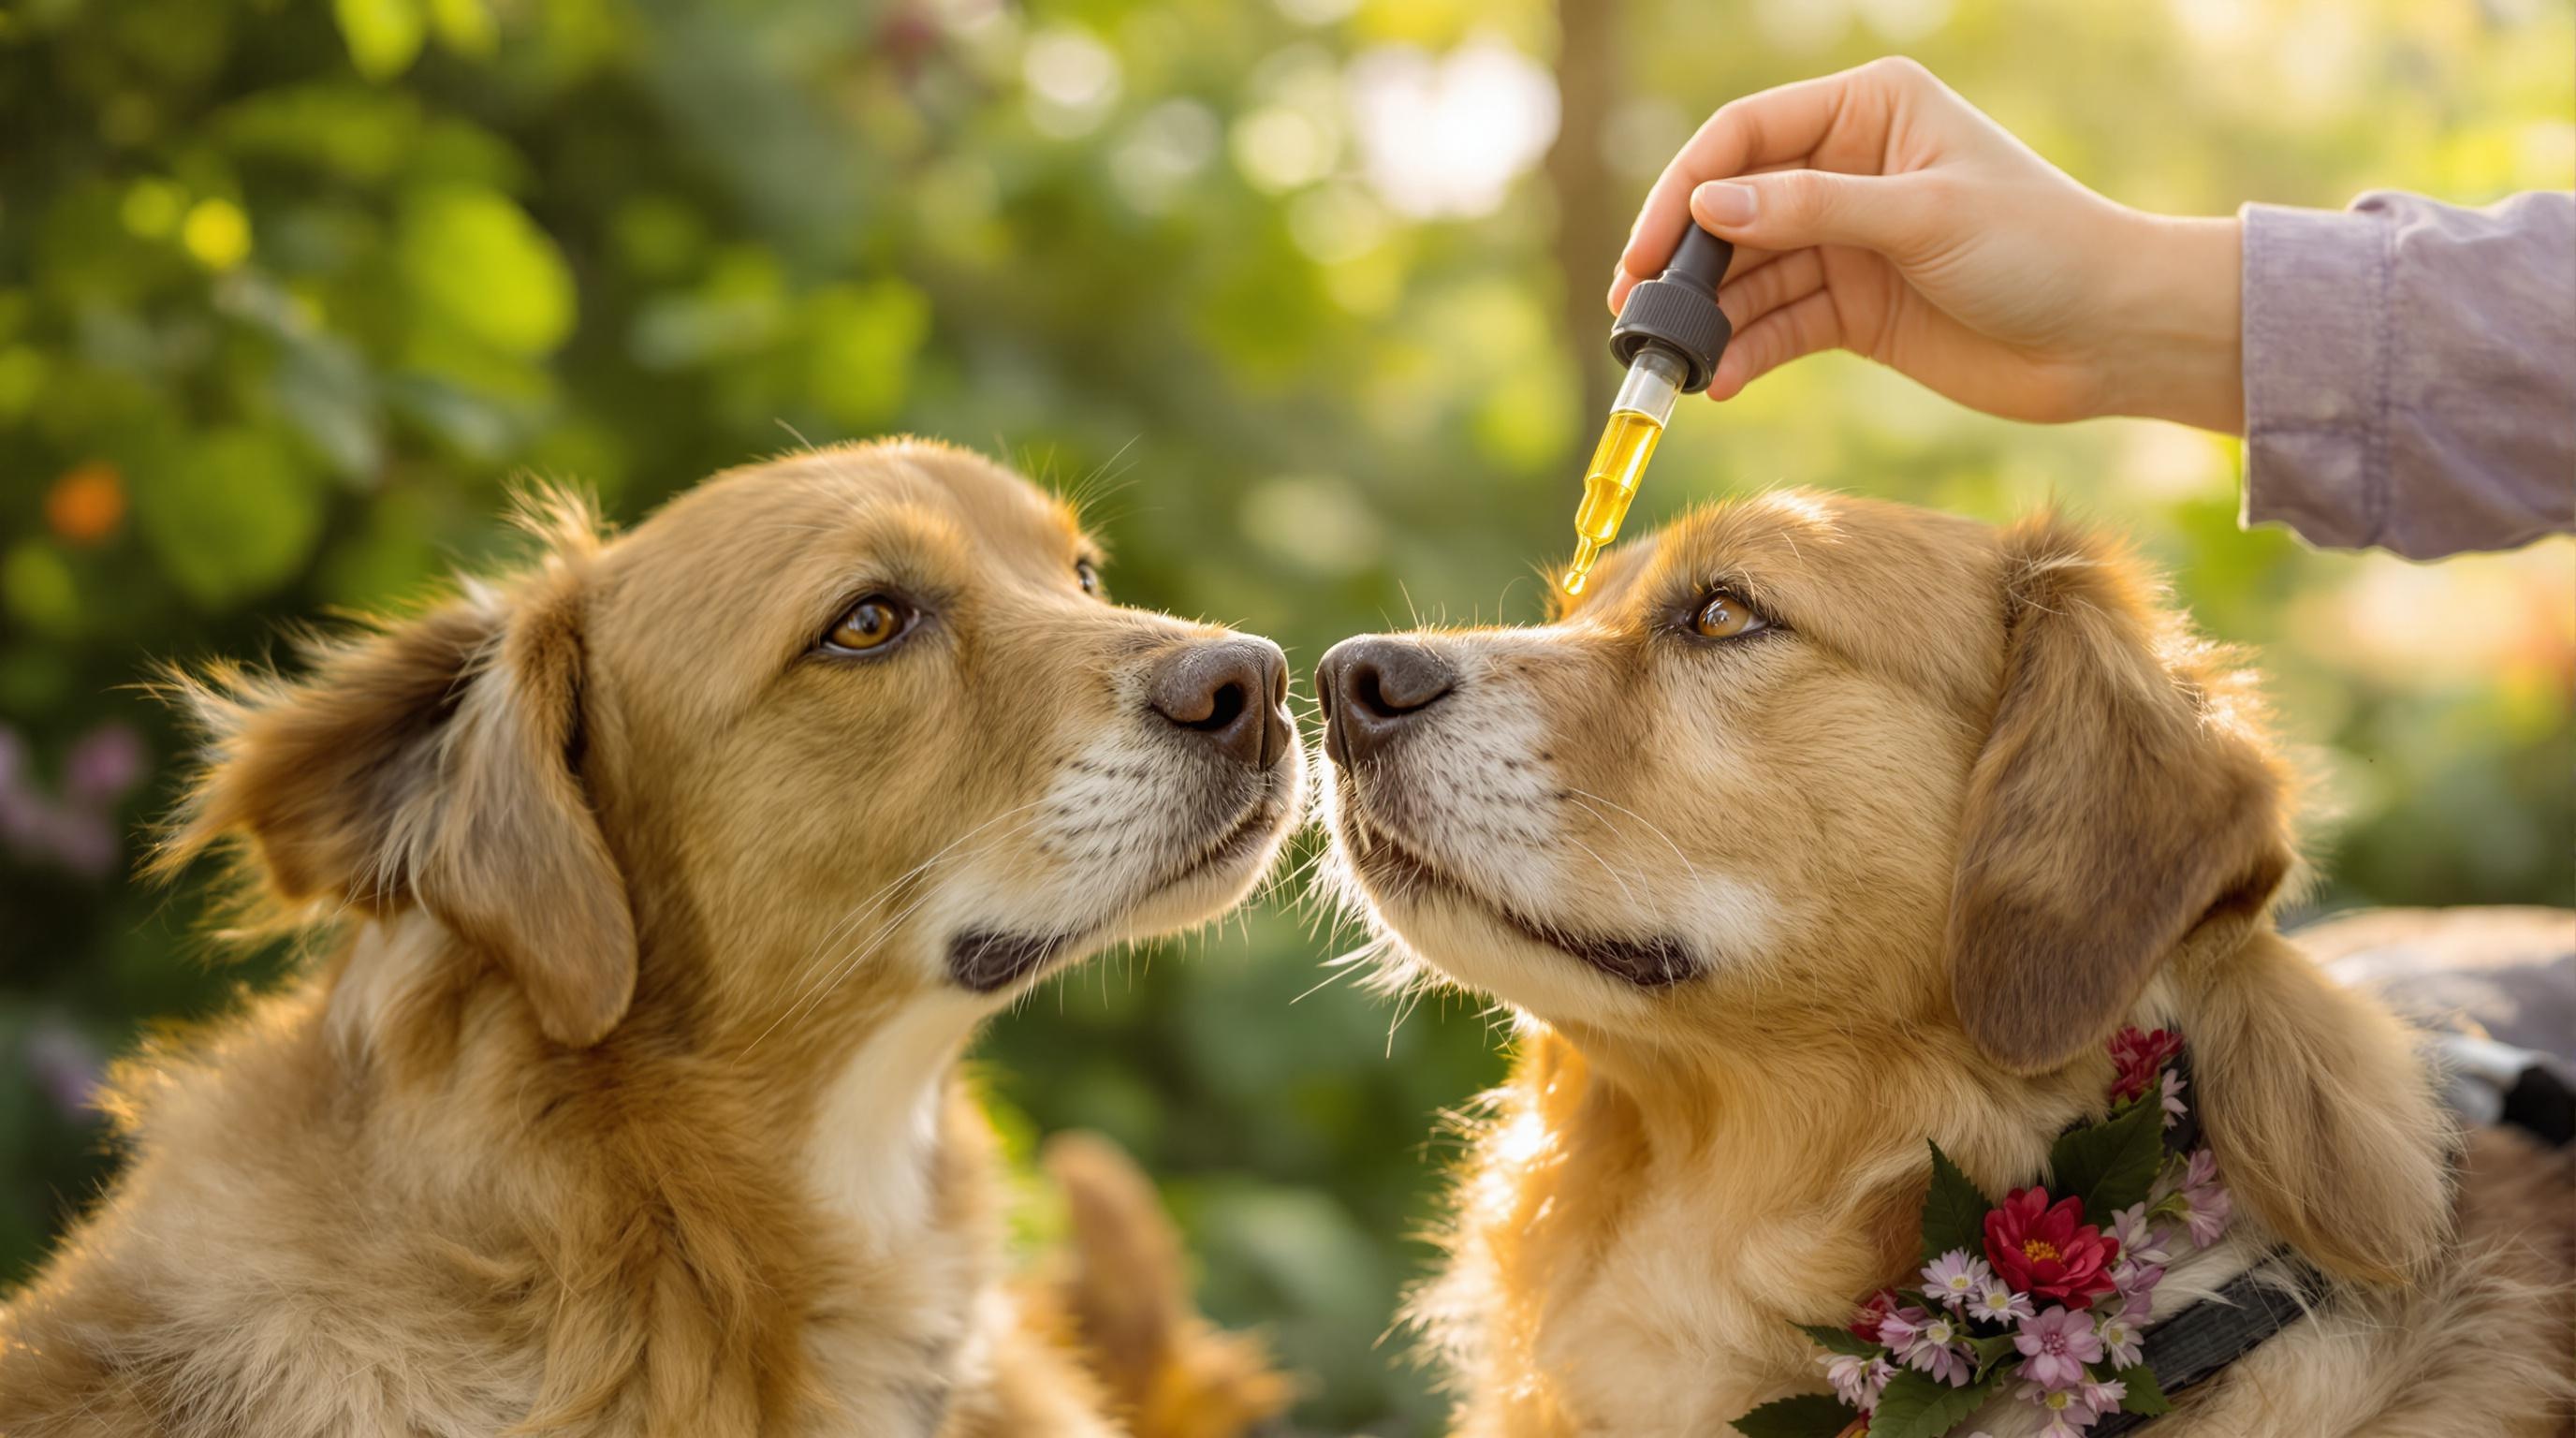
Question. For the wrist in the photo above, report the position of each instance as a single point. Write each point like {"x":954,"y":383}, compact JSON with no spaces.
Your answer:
{"x":2176,"y":346}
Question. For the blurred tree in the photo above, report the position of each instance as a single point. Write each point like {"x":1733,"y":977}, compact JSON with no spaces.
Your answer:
{"x":1303,"y":294}
{"x":1592,"y":205}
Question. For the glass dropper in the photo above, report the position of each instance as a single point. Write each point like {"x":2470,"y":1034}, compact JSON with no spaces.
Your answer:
{"x":1669,"y":335}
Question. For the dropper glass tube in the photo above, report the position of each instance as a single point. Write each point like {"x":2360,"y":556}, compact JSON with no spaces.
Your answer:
{"x":1637,"y":419}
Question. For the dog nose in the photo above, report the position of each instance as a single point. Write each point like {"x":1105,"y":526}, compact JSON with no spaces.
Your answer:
{"x":1370,"y":687}
{"x":1234,"y":691}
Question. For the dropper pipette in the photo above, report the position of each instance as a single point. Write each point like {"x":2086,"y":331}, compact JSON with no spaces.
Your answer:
{"x":1669,"y":335}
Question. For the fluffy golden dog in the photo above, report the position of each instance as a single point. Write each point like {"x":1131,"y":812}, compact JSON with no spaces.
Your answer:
{"x":1821,"y":827}
{"x":654,"y":892}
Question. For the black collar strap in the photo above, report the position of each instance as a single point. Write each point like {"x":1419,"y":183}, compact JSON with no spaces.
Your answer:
{"x":2194,"y":1345}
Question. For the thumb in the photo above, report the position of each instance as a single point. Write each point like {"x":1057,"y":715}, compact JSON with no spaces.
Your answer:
{"x":1783,"y":210}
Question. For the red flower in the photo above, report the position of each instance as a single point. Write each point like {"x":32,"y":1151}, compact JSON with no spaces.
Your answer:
{"x":2049,"y":1252}
{"x":2141,"y":1057}
{"x":1864,"y":1324}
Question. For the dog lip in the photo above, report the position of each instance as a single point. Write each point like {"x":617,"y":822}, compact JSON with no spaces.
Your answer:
{"x":1658,"y":963}
{"x":984,"y":961}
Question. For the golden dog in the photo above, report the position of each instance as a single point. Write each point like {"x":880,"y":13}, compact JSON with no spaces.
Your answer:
{"x":1821,"y":827}
{"x":655,"y":891}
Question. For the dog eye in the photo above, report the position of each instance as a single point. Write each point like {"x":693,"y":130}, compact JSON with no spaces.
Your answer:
{"x":871,"y":624}
{"x":1723,"y":616}
{"x":1087,"y":574}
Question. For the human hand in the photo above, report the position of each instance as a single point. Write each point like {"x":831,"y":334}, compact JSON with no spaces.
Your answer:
{"x":1877,"y":211}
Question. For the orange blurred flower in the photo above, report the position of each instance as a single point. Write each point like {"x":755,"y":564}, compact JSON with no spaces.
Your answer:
{"x":87,"y":503}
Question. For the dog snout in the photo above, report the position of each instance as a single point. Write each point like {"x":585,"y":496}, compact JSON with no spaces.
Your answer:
{"x":1371,"y":687}
{"x":1232,"y":691}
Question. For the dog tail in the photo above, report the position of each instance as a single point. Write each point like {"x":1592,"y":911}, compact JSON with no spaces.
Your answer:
{"x":1125,"y":1295}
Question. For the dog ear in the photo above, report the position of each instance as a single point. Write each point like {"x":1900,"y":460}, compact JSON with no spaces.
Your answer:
{"x":2322,"y":1119}
{"x":432,"y":764}
{"x":2122,"y":801}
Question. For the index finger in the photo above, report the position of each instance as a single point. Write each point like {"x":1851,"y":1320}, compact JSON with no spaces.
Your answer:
{"x":1769,"y":128}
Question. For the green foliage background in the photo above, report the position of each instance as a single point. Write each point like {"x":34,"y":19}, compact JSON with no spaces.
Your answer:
{"x":290,"y":290}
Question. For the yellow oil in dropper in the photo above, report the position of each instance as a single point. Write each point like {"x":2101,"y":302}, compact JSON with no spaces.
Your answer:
{"x":1637,"y":419}
{"x":1669,"y":335}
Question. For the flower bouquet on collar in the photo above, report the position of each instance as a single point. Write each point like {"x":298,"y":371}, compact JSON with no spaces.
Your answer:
{"x":2041,"y":1297}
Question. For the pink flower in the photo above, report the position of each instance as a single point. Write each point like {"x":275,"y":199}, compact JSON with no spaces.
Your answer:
{"x":1955,"y":1277}
{"x":1858,"y":1381}
{"x":1997,"y":1303}
{"x":2138,"y":1292}
{"x":2136,"y":1286}
{"x":2057,"y":1344}
{"x":2140,"y":1241}
{"x":2174,"y":1109}
{"x":2068,"y":1413}
{"x":1901,"y":1327}
{"x":104,"y":766}
{"x":1937,"y":1350}
{"x":2140,"y":1056}
{"x":2120,"y":1338}
{"x":2205,"y":1202}
{"x":2104,"y":1396}
{"x":2048,"y":1250}
{"x":2209,"y":1215}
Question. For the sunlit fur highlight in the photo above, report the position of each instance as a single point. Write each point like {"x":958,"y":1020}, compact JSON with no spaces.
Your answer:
{"x":618,"y":1093}
{"x":1995,"y":799}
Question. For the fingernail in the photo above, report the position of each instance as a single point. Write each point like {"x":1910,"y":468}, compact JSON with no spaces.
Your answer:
{"x":1722,"y":203}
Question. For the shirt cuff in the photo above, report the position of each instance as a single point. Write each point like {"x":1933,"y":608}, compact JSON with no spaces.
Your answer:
{"x":2316,"y":372}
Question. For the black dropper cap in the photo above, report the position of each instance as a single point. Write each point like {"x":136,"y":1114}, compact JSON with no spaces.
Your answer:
{"x":1678,"y":311}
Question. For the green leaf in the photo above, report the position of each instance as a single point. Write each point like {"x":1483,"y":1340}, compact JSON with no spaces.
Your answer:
{"x":230,"y":514}
{"x":464,"y":26}
{"x":383,"y":36}
{"x":470,"y":423}
{"x":864,"y":338}
{"x":1991,"y":1351}
{"x":2110,"y":1164}
{"x":350,"y":130}
{"x":323,"y":389}
{"x":40,"y":590}
{"x":1954,"y":1210}
{"x":1809,"y":1415}
{"x":1918,"y":1405}
{"x":1839,"y":1340}
{"x":2144,"y":1394}
{"x":475,"y":262}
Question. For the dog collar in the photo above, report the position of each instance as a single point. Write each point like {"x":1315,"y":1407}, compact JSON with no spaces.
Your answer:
{"x":2196,"y":1344}
{"x":2045,"y":1297}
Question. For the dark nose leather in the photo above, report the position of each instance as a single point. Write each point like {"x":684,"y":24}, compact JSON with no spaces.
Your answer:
{"x":1372,"y":687}
{"x":1232,"y":691}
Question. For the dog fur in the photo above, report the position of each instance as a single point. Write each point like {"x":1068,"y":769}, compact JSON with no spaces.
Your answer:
{"x":1973,"y":801}
{"x":620,"y":1094}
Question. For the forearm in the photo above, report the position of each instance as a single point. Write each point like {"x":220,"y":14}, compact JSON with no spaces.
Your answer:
{"x":2409,"y":372}
{"x":2176,"y":350}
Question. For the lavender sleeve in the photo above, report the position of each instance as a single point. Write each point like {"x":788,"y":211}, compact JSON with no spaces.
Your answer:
{"x":2410,"y":372}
